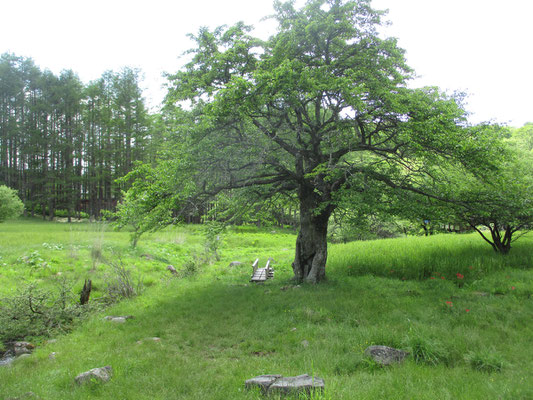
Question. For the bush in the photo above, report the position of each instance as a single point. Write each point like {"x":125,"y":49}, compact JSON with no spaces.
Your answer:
{"x":10,"y":204}
{"x":36,"y":312}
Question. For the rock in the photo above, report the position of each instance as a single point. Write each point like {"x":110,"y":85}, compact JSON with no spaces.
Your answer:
{"x":153,"y":339}
{"x":296,"y":384}
{"x":305,"y":343}
{"x":270,"y":384}
{"x":293,"y":329}
{"x":102,"y":374}
{"x":20,"y":348}
{"x":119,"y":318}
{"x":7,"y":359}
{"x":235,"y":263}
{"x":52,"y":356}
{"x":23,"y":356}
{"x":385,"y":355}
{"x":262,"y":381}
{"x":172,"y":269}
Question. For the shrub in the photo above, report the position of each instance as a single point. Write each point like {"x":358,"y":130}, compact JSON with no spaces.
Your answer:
{"x":35,"y":312}
{"x":10,"y":204}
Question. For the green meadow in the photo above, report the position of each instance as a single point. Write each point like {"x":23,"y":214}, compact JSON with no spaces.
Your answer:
{"x":462,"y":311}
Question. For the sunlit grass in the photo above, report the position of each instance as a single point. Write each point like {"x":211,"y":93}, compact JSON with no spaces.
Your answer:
{"x":216,"y":329}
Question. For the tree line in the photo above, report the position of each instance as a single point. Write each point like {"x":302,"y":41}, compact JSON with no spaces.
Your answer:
{"x":63,"y":143}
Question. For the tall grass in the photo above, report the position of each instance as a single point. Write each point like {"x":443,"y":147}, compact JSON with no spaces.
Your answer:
{"x":423,"y":257}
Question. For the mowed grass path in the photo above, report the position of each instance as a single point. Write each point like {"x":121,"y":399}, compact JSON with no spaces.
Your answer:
{"x":217,"y":330}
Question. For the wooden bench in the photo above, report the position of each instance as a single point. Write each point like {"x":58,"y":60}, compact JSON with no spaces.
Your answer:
{"x":262,"y":274}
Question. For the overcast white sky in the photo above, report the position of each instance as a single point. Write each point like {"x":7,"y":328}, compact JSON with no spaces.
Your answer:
{"x":483,"y":47}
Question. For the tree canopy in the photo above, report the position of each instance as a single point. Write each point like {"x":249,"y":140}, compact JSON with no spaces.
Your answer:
{"x":320,"y":109}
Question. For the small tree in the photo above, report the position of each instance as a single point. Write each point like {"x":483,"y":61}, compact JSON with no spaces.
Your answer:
{"x":10,"y":204}
{"x":503,"y":205}
{"x":153,"y":200}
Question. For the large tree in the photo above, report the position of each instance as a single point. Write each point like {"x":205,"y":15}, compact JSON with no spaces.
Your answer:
{"x":319,"y":109}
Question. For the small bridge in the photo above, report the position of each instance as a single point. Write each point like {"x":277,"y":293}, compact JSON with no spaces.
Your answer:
{"x":262,"y":274}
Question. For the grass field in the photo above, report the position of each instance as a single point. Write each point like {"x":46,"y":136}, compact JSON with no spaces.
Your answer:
{"x":470,"y":335}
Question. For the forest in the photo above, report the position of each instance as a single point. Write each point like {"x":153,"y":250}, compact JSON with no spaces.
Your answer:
{"x":64,"y":143}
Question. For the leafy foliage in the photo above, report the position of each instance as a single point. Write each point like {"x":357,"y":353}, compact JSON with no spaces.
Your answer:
{"x":320,"y":112}
{"x":10,"y":204}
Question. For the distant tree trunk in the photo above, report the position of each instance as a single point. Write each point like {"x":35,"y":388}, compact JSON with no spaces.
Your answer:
{"x":311,"y":244}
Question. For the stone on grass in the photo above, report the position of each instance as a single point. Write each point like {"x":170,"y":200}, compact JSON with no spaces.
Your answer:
{"x":385,"y":355}
{"x":262,"y":382}
{"x":297,"y":384}
{"x":7,"y":359}
{"x":235,"y":263}
{"x":118,"y":318}
{"x":23,"y":356}
{"x":172,"y":269}
{"x":291,"y":385}
{"x":150,"y":339}
{"x":22,"y":348}
{"x":102,"y":374}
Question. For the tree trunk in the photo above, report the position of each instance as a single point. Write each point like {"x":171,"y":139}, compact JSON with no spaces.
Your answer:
{"x":499,"y":244}
{"x":311,"y":245}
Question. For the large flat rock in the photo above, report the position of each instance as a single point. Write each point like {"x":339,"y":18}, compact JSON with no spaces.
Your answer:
{"x":297,"y":384}
{"x":272,"y":384}
{"x":262,"y":381}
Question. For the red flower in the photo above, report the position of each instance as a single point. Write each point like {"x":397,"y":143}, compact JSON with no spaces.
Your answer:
{"x":432,"y":277}
{"x":449,"y":303}
{"x":442,"y":277}
{"x":460,"y":276}
{"x":467,"y":310}
{"x":512,"y":287}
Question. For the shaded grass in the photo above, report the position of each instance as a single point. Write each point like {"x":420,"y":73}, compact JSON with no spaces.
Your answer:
{"x":216,"y":330}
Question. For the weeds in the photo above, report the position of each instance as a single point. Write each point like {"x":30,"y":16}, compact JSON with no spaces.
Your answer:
{"x":119,"y":282}
{"x":97,"y":247}
{"x":425,"y":350}
{"x":485,"y":361}
{"x":34,"y":260}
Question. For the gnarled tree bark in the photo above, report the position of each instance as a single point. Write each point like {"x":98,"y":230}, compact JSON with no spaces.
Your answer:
{"x":311,"y":244}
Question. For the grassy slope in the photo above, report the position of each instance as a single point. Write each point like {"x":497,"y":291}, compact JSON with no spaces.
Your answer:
{"x":217,"y":330}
